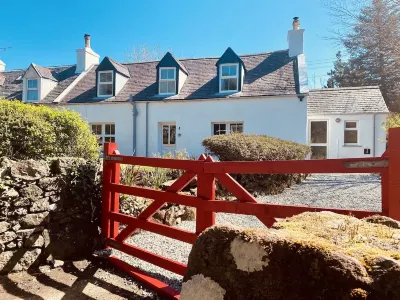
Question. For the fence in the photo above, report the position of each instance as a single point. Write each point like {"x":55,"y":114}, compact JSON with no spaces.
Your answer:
{"x":207,"y":171}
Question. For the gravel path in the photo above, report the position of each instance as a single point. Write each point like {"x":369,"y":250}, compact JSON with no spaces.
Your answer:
{"x":350,"y":191}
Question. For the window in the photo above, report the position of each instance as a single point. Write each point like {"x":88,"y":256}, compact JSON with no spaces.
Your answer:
{"x":105,"y":133}
{"x":168,"y":135}
{"x":350,"y":132}
{"x":226,"y":128}
{"x":167,"y":81}
{"x":319,"y":139}
{"x":105,"y":83}
{"x":32,"y":90}
{"x":229,"y":78}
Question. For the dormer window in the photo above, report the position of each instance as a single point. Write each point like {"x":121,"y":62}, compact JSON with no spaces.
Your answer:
{"x":105,"y":84}
{"x":229,"y":77}
{"x":167,"y":81}
{"x":32,"y":90}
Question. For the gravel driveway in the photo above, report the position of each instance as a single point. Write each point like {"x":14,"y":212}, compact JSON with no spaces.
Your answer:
{"x":350,"y":191}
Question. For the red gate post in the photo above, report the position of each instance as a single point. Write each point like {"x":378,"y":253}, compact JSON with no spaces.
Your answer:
{"x":106,"y":194}
{"x":206,"y":191}
{"x":394,"y":174}
{"x":115,"y":178}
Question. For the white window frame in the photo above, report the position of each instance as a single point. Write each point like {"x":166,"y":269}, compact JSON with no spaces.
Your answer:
{"x":228,"y":77}
{"x":32,"y":89}
{"x":103,"y":134}
{"x":351,"y":129}
{"x":108,"y":82}
{"x":166,"y":80}
{"x":228,"y":126}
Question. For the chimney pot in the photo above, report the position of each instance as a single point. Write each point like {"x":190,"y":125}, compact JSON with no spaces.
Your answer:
{"x":87,"y":40}
{"x":296,"y":23}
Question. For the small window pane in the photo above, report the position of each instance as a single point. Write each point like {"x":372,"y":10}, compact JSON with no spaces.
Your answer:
{"x":225,"y":71}
{"x":171,"y":74}
{"x":164,"y":74}
{"x":109,"y":139}
{"x":351,"y":124}
{"x":319,"y":130}
{"x":106,"y":77}
{"x":232,"y":84}
{"x":219,"y":129}
{"x":110,"y":129}
{"x":33,"y":95}
{"x":224,"y":84}
{"x":165,"y":134}
{"x":172,"y":134}
{"x":232,"y":70}
{"x":32,"y":84}
{"x":171,"y":87}
{"x":236,"y":128}
{"x":106,"y":89}
{"x":350,"y":137}
{"x":163,"y":87}
{"x":318,"y":152}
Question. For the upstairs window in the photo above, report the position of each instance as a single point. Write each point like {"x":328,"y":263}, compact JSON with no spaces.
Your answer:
{"x":229,"y":78}
{"x":167,"y":81}
{"x":33,"y":91}
{"x":105,"y":83}
{"x":226,"y":128}
{"x":350,"y":132}
{"x":105,"y":133}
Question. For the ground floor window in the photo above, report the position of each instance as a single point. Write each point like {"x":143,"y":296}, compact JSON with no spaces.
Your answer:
{"x":319,"y":139}
{"x":168,"y":134}
{"x":105,"y":132}
{"x":227,"y":127}
{"x":350,"y":132}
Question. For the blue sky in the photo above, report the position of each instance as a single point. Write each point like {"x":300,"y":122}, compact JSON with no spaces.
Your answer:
{"x":48,"y":32}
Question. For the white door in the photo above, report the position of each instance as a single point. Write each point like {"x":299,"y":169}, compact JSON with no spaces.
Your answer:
{"x":319,"y":139}
{"x":168,"y":137}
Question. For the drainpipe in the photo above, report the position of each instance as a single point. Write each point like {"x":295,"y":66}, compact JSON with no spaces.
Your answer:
{"x":134,"y":113}
{"x":147,"y":128}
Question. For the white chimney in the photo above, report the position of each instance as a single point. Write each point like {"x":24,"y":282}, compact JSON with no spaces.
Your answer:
{"x":296,"y":39}
{"x":86,"y":57}
{"x":2,"y":66}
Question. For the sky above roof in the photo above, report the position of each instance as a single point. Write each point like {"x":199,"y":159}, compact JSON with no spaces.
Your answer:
{"x":49,"y":32}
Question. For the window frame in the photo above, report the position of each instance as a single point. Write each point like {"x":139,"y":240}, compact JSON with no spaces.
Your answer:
{"x":228,"y":126}
{"x":228,"y":77}
{"x":32,"y":89}
{"x":103,"y":134}
{"x":166,"y":80}
{"x":107,"y":82}
{"x":351,"y":129}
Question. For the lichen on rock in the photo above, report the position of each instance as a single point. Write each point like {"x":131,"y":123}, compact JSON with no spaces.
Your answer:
{"x":249,"y":256}
{"x":199,"y":287}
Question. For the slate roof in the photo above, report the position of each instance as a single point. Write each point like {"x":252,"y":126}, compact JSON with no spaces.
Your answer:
{"x":349,"y":100}
{"x":45,"y":72}
{"x":11,"y":88}
{"x":268,"y":74}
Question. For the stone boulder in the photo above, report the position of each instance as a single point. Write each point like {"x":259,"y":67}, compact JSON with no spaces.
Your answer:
{"x":29,"y":170}
{"x":309,"y":256}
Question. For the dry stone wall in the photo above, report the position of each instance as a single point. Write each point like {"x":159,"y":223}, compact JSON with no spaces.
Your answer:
{"x":49,"y":210}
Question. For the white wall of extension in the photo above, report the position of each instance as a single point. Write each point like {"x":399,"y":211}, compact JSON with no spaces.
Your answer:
{"x":118,"y":113}
{"x":282,"y":117}
{"x":371,"y":135}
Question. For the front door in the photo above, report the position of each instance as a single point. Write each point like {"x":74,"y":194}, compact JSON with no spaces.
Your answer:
{"x":319,"y":139}
{"x":168,"y":137}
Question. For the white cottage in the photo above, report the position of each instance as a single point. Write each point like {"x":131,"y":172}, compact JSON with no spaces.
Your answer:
{"x":161,"y":106}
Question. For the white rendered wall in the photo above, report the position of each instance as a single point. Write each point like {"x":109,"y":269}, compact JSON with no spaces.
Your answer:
{"x":119,"y":82}
{"x":366,"y":127}
{"x":118,"y":113}
{"x":30,"y":74}
{"x":182,"y":79}
{"x":85,"y":58}
{"x":46,"y":85}
{"x":284,"y":117}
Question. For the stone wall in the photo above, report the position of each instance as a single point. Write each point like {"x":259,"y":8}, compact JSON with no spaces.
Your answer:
{"x":49,"y":210}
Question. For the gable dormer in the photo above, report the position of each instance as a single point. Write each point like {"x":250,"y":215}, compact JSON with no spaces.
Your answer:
{"x":171,"y":75}
{"x":37,"y":83}
{"x":110,"y":78}
{"x":230,"y":72}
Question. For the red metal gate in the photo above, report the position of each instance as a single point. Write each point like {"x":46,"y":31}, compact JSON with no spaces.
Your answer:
{"x":207,"y":171}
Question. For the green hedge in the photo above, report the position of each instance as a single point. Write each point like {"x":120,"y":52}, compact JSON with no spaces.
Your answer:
{"x":37,"y":132}
{"x":250,"y":147}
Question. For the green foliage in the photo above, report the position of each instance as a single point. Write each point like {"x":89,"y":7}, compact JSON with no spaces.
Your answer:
{"x":393,"y":120}
{"x":249,"y":147}
{"x":37,"y":132}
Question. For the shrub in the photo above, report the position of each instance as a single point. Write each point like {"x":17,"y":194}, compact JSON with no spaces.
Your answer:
{"x":392,"y":121}
{"x":37,"y":132}
{"x":249,"y":147}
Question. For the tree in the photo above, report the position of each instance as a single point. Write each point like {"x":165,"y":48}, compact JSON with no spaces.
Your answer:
{"x":370,"y":34}
{"x":144,"y":53}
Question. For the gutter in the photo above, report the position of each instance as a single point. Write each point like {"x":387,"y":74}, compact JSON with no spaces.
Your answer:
{"x":134,"y":114}
{"x":374,"y":137}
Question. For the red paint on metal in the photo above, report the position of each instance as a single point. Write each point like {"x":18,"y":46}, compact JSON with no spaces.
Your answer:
{"x":394,"y":174}
{"x":152,"y":283}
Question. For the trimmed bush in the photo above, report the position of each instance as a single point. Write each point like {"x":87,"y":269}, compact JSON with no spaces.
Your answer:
{"x":250,"y":147}
{"x":37,"y":132}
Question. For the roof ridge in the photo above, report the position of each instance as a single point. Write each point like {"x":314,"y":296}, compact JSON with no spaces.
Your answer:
{"x":347,"y":88}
